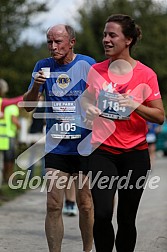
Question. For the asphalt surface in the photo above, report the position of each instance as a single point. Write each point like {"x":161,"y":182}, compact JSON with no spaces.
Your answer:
{"x":22,"y":220}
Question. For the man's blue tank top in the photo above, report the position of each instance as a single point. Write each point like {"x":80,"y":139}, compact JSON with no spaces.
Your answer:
{"x":65,"y":127}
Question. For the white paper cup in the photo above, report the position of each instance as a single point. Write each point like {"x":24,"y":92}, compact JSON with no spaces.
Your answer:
{"x":46,"y":71}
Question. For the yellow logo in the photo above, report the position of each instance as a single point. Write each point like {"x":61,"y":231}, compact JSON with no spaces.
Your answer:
{"x":63,"y":81}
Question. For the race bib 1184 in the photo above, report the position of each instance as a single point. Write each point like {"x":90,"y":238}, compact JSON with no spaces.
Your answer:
{"x":109,"y":105}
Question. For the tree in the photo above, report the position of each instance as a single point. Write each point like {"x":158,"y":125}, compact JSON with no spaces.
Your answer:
{"x":18,"y":72}
{"x":16,"y":59}
{"x":15,"y":15}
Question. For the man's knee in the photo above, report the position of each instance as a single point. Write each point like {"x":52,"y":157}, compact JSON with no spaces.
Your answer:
{"x":54,"y":206}
{"x":85,"y":204}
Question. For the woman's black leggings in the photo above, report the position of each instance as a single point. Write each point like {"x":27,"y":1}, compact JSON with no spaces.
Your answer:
{"x":126,"y":172}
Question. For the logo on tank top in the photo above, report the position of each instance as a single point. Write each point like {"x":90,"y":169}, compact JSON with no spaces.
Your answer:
{"x":63,"y":81}
{"x":109,"y":87}
{"x":115,"y":88}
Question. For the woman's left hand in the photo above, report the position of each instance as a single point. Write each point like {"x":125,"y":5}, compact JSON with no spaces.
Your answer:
{"x":125,"y":100}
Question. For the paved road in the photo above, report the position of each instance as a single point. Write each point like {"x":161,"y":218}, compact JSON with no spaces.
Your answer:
{"x":22,"y":221}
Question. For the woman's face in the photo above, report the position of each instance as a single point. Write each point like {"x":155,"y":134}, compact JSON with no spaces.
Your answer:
{"x":116,"y":45}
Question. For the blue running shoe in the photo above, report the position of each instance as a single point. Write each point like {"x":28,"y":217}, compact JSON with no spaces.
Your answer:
{"x":70,"y":209}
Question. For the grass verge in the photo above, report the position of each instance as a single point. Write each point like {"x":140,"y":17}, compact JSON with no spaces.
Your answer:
{"x":8,"y":194}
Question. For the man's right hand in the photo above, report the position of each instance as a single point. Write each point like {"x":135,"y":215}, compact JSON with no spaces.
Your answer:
{"x":39,"y":78}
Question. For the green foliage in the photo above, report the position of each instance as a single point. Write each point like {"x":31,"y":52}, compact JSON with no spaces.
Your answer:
{"x":17,"y":59}
{"x":19,"y":69}
{"x":14,"y":17}
{"x":150,"y":15}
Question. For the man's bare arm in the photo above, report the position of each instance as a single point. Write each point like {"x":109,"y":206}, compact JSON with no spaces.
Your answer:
{"x":33,"y":94}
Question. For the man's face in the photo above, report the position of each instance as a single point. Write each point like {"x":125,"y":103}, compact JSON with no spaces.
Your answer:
{"x":59,"y":43}
{"x":114,"y":42}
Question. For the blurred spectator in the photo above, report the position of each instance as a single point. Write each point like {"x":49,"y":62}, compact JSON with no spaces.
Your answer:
{"x":6,"y":101}
{"x":12,"y":123}
{"x":161,"y":143}
{"x":4,"y":139}
{"x":36,"y":131}
{"x":70,"y":207}
{"x":151,"y":138}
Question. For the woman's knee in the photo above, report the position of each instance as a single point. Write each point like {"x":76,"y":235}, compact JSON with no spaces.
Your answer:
{"x":103,"y":214}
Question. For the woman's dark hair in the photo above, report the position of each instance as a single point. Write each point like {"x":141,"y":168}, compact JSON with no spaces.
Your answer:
{"x":129,"y":28}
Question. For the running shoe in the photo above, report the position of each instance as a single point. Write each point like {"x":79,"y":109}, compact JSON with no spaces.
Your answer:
{"x":70,"y":210}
